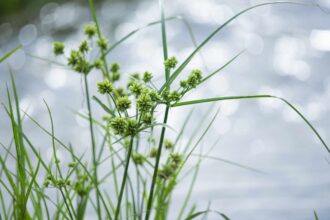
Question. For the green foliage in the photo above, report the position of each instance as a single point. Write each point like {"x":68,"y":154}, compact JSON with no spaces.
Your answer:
{"x":128,"y":128}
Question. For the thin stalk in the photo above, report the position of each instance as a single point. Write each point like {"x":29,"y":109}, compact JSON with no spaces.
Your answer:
{"x":124,"y":178}
{"x":154,"y":177}
{"x":93,"y":145}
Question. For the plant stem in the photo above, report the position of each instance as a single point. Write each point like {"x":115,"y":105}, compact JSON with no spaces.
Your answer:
{"x":124,"y":178}
{"x":93,"y":146}
{"x":154,"y":177}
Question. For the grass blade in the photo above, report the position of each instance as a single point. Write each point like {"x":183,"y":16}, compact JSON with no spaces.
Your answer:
{"x":189,"y":58}
{"x":137,"y":30}
{"x":194,"y":215}
{"x":10,"y":53}
{"x":199,"y":101}
{"x":223,"y":66}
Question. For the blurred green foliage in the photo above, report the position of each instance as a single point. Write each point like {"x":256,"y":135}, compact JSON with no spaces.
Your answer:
{"x":21,"y":9}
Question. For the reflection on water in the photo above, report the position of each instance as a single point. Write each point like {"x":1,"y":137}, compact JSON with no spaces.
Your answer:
{"x":286,"y":55}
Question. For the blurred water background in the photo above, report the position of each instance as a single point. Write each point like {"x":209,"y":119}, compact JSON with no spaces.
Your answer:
{"x":287,"y":54}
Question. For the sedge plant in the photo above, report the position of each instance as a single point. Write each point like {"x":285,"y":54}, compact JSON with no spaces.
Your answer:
{"x":143,"y":165}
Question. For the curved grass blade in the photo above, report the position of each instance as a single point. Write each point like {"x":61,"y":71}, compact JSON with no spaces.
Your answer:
{"x":137,"y":30}
{"x":31,"y":184}
{"x":10,"y":53}
{"x":164,"y":40}
{"x":223,"y":66}
{"x":48,"y":61}
{"x":104,"y":107}
{"x":189,"y":58}
{"x":198,"y":101}
{"x":194,"y":215}
{"x":230,"y":162}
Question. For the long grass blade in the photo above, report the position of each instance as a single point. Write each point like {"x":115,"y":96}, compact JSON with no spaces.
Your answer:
{"x":199,"y":101}
{"x":6,"y":56}
{"x":189,"y":58}
{"x":197,"y":214}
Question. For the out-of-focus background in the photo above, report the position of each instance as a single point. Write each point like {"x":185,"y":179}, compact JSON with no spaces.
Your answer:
{"x":287,"y":54}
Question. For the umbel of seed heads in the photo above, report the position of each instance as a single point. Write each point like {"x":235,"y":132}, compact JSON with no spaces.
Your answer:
{"x":139,"y":94}
{"x":77,"y":58}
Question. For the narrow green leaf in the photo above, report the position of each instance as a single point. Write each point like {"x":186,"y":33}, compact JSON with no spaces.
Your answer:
{"x":199,"y":101}
{"x":137,"y":30}
{"x":315,"y":215}
{"x":10,"y":53}
{"x":231,"y":163}
{"x":188,"y":59}
{"x":31,"y":184}
{"x":105,"y":108}
{"x":164,"y":40}
{"x":192,"y":216}
{"x":223,"y":66}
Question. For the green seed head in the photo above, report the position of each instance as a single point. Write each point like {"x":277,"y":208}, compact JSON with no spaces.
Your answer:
{"x":115,"y":76}
{"x":144,"y":102}
{"x":147,"y":76}
{"x":183,"y":84}
{"x":166,"y":172}
{"x":132,"y":126}
{"x":120,"y":92}
{"x":136,"y":88}
{"x":136,"y":76}
{"x":176,"y":158}
{"x":90,"y":30}
{"x":138,"y":158}
{"x":175,"y":96}
{"x":155,"y":97}
{"x":194,"y":78}
{"x":83,"y":47}
{"x":104,"y":87}
{"x":170,"y":63}
{"x":72,"y":164}
{"x":98,"y":64}
{"x":114,"y":67}
{"x":123,"y":103}
{"x":58,"y":48}
{"x":147,"y":118}
{"x":83,"y":66}
{"x":102,"y":43}
{"x":153,"y":152}
{"x":75,"y":56}
{"x":119,"y":125}
{"x":168,"y":144}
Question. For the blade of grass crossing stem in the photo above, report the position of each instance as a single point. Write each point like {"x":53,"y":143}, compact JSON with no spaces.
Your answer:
{"x":315,"y":216}
{"x":31,"y":183}
{"x":199,"y":101}
{"x":189,"y":58}
{"x":6,"y":56}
